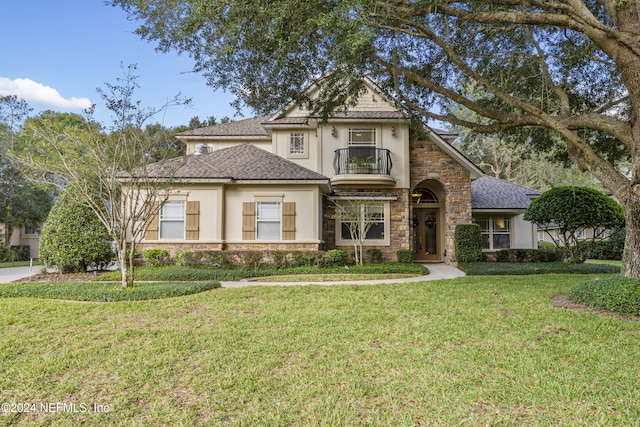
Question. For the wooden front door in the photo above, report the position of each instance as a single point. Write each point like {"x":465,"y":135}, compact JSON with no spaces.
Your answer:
{"x":426,"y":234}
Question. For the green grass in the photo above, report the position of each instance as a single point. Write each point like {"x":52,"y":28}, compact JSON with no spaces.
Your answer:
{"x":472,"y":351}
{"x":19,"y":264}
{"x":331,"y":277}
{"x":92,"y":291}
{"x":173,"y":272}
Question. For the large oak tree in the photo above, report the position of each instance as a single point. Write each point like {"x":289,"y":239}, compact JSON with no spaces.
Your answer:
{"x":569,"y":71}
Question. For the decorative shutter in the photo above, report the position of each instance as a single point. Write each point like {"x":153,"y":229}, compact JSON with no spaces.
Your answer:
{"x":193,"y":220}
{"x":288,"y":221}
{"x":151,"y":233}
{"x":248,"y":221}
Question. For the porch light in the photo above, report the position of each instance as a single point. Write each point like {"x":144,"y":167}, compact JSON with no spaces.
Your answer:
{"x":333,"y":131}
{"x":393,"y":130}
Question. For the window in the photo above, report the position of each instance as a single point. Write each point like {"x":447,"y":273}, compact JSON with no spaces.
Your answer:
{"x":31,"y":231}
{"x":496,"y":232}
{"x":581,"y":234}
{"x":268,"y":215}
{"x":362,"y":136}
{"x":363,"y":214}
{"x":172,"y":220}
{"x":296,"y":143}
{"x":203,"y":148}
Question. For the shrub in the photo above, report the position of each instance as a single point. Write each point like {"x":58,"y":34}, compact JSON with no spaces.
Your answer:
{"x":374,"y":255}
{"x":306,"y":258}
{"x":530,"y":255}
{"x":156,"y":257}
{"x":279,"y":258}
{"x":19,"y":253}
{"x":336,"y":257}
{"x":618,"y":294}
{"x":546,"y":245}
{"x":468,"y":243}
{"x":251,"y":259}
{"x":73,"y":238}
{"x":181,"y":259}
{"x":404,"y":256}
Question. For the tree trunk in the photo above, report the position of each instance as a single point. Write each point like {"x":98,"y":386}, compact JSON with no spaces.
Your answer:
{"x":631,"y":257}
{"x":124,"y":263}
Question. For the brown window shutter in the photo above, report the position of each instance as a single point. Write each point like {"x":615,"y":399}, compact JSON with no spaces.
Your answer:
{"x":151,"y":233}
{"x":193,"y":220}
{"x":248,"y":221}
{"x":288,"y":221}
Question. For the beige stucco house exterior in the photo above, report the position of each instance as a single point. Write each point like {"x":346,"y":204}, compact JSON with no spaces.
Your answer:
{"x":272,"y":182}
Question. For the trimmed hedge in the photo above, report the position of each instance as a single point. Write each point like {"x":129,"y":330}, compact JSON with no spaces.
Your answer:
{"x":525,"y":268}
{"x":374,"y":255}
{"x":336,"y":257}
{"x":530,"y":255}
{"x":468,"y":243}
{"x":617,"y":294}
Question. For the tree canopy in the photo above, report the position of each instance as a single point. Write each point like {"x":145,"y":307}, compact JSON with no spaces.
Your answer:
{"x":568,"y":72}
{"x":572,"y":209}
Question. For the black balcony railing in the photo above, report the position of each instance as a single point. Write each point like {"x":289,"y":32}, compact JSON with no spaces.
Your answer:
{"x":362,"y":160}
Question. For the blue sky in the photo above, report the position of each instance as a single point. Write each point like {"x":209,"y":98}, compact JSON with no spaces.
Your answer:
{"x":56,"y":53}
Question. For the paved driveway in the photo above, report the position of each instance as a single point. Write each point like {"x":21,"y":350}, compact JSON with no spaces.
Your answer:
{"x":15,"y":273}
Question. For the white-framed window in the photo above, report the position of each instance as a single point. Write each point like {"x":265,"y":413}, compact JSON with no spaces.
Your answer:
{"x":203,"y":148}
{"x":296,"y":143}
{"x":172,"y":220}
{"x":268,"y":220}
{"x":362,"y":136}
{"x":581,"y":234}
{"x":367,"y":214}
{"x":496,"y":232}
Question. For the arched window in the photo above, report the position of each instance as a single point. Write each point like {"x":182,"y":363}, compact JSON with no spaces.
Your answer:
{"x":423,"y":195}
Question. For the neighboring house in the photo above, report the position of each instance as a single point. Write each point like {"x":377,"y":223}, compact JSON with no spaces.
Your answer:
{"x":554,"y":235}
{"x":272,"y":182}
{"x":25,"y":236}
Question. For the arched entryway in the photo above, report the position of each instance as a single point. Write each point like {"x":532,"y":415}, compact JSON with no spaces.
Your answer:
{"x":427,"y":201}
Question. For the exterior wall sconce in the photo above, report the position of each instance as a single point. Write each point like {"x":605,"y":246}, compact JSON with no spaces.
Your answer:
{"x":334,"y":132}
{"x":393,"y":130}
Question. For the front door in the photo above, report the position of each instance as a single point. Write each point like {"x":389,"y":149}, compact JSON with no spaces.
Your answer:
{"x":426,"y":235}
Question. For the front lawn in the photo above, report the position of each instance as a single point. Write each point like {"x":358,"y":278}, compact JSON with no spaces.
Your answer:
{"x":472,"y":351}
{"x":527,"y":268}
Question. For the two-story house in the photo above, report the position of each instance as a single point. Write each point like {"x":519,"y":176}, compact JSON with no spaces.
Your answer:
{"x":272,"y":182}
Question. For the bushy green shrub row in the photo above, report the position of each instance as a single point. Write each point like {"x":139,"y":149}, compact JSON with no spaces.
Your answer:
{"x":530,"y":255}
{"x":524,"y":268}
{"x":617,"y":294}
{"x":104,"y":292}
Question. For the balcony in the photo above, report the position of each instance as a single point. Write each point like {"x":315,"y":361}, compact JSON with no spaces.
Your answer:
{"x":362,"y":165}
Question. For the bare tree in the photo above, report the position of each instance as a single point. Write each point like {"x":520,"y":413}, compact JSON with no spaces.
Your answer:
{"x":108,"y":173}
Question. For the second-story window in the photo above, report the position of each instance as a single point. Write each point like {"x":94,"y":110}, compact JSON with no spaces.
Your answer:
{"x":296,"y":143}
{"x":364,"y":136}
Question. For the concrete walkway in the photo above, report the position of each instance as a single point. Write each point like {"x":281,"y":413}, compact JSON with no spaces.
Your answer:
{"x":436,"y":272}
{"x":12,"y":274}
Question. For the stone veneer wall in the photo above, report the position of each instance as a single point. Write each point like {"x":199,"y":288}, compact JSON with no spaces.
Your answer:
{"x":174,"y":248}
{"x":399,"y":222}
{"x":428,"y":161}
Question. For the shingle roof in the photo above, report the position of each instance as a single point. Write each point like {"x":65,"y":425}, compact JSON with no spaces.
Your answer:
{"x":493,"y":193}
{"x":240,"y":162}
{"x":247,"y":127}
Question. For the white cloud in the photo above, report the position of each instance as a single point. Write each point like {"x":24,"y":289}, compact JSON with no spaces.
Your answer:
{"x":37,"y":93}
